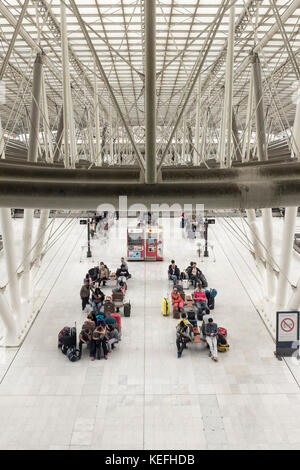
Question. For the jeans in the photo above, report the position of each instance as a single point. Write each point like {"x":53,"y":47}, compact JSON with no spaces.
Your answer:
{"x":97,"y":306}
{"x":111,"y":342}
{"x":213,"y":346}
{"x":181,"y":341}
{"x":201,"y":306}
{"x":174,"y":279}
{"x":195,"y":280}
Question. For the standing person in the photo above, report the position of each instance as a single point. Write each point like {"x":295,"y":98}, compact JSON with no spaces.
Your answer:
{"x":98,"y":299}
{"x":173,"y":272}
{"x":98,"y":341}
{"x":211,"y":331}
{"x":177,"y":300}
{"x":85,"y":294}
{"x":201,"y":300}
{"x":103,"y":273}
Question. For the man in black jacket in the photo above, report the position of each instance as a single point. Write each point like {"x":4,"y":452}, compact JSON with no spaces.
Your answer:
{"x":174,"y":272}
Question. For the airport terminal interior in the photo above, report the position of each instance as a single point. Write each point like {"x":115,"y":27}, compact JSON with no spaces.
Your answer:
{"x":149,"y":225}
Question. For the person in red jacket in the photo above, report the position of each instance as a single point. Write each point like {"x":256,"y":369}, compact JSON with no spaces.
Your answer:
{"x":177,"y":300}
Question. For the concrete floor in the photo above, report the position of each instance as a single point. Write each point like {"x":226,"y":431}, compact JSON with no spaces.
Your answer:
{"x":143,"y":397}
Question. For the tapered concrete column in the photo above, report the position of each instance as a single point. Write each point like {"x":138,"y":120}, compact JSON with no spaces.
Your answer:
{"x":6,"y":315}
{"x":294,"y":303}
{"x":59,"y":136}
{"x":197,"y":157}
{"x":150,"y":90}
{"x":296,"y":129}
{"x":259,"y":107}
{"x":257,"y":245}
{"x":269,"y":251}
{"x":26,"y":252}
{"x":9,"y":250}
{"x":97,"y":119}
{"x":35,"y":109}
{"x":40,"y":236}
{"x":286,"y":256}
{"x":229,"y":83}
{"x":46,"y":123}
{"x":248,"y":131}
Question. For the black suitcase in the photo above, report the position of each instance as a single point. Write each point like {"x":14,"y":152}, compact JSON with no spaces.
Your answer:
{"x":127,"y":309}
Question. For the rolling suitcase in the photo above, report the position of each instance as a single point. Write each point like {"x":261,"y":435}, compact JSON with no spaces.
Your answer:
{"x":127,"y":309}
{"x":66,"y":331}
{"x":165,"y":307}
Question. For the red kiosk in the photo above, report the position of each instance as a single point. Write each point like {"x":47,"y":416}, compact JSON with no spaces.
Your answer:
{"x":145,"y":244}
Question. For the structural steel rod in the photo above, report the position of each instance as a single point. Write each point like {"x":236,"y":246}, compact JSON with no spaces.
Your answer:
{"x":213,"y":33}
{"x":259,"y":107}
{"x":106,"y":82}
{"x":150,"y":90}
{"x":13,"y":39}
{"x":35,"y":109}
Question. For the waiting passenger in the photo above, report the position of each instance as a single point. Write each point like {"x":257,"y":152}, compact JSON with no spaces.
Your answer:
{"x":174,"y":272}
{"x":99,"y":340}
{"x":103,"y":273}
{"x":85,"y":337}
{"x":98,"y":299}
{"x":201,"y":301}
{"x":122,"y":273}
{"x":120,"y":287}
{"x":211,"y":331}
{"x":123,"y":262}
{"x":179,"y":287}
{"x":113,"y":336}
{"x":85,"y":294}
{"x":177,"y":300}
{"x":109,"y":320}
{"x":90,"y":323}
{"x":183,"y":337}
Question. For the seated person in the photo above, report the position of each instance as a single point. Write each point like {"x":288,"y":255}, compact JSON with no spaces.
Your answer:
{"x":97,"y":300}
{"x":211,"y":331}
{"x":109,"y":320}
{"x":123,"y":262}
{"x":120,"y":287}
{"x":201,"y":300}
{"x":90,"y":323}
{"x":122,"y":273}
{"x":173,"y":272}
{"x":103,"y":273}
{"x":177,"y":300}
{"x":179,"y":287}
{"x":183,"y":336}
{"x":192,"y":318}
{"x":99,"y":341}
{"x":113,"y":336}
{"x":194,"y":274}
{"x":85,"y":337}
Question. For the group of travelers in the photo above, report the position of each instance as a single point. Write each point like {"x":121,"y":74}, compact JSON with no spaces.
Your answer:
{"x":99,"y":332}
{"x":185,"y":326}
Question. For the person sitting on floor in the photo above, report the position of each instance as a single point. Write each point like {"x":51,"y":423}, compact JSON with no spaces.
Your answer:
{"x":211,"y":331}
{"x":177,"y":300}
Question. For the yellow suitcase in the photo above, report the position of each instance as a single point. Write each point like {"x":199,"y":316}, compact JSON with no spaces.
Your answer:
{"x":165,"y":307}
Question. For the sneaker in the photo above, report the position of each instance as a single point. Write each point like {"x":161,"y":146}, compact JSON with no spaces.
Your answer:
{"x":105,"y":357}
{"x":179,"y":355}
{"x":92,"y":358}
{"x":215,"y":359}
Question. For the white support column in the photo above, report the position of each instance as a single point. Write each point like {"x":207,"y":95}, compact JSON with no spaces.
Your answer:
{"x":229,"y":83}
{"x":286,"y":256}
{"x":97,"y":119}
{"x":296,"y":129}
{"x":10,"y":336}
{"x":197,"y":130}
{"x":255,"y":238}
{"x":9,"y":251}
{"x":204,"y":138}
{"x":294,"y":303}
{"x":66,"y":84}
{"x":46,"y":124}
{"x":248,"y":130}
{"x":40,"y":236}
{"x":269,"y":252}
{"x":183,"y":148}
{"x":26,"y":252}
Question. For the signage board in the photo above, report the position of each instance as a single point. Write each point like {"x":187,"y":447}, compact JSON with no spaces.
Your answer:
{"x":287,"y":333}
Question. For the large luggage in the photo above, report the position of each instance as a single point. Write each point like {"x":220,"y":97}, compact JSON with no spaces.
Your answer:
{"x":176,"y":314}
{"x":66,"y":331}
{"x":165,"y":307}
{"x":127,"y":309}
{"x":73,"y":354}
{"x":69,"y":340}
{"x":108,"y":306}
{"x":222,"y":342}
{"x":117,"y":316}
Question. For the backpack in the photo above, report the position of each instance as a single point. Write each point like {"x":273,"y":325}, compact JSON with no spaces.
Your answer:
{"x":73,"y":354}
{"x":108,"y":307}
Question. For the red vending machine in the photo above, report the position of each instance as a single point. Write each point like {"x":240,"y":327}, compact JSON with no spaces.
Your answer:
{"x":135,"y":244}
{"x":153,"y":244}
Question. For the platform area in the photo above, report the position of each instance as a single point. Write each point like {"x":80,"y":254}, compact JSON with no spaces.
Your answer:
{"x":143,"y":396}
